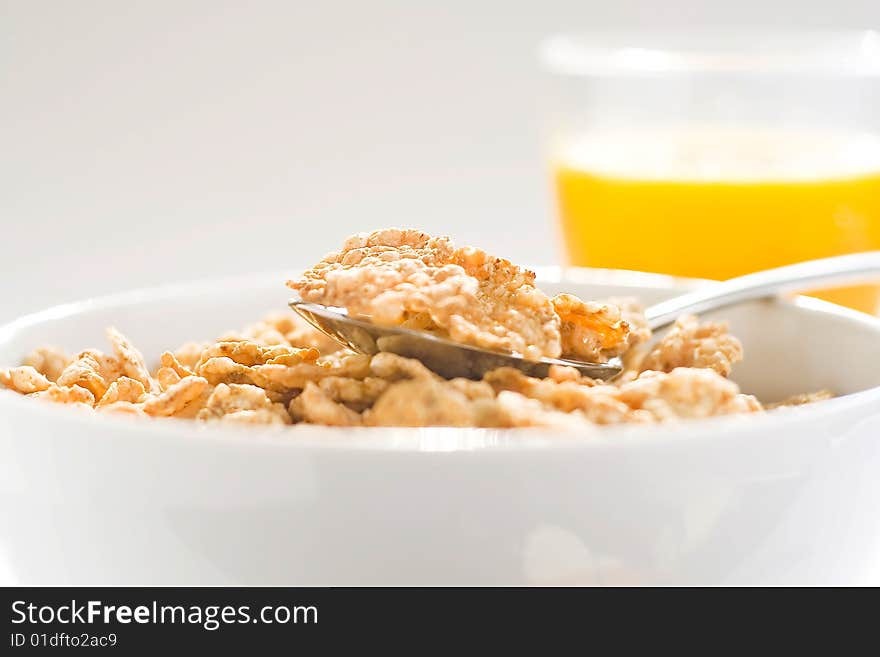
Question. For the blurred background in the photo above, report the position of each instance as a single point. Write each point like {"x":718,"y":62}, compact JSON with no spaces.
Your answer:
{"x":148,"y":142}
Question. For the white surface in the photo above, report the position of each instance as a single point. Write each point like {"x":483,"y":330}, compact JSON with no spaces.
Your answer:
{"x":787,"y":497}
{"x":140,"y":138}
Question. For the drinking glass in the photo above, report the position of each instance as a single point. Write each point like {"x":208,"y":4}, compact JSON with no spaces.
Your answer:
{"x":716,"y":153}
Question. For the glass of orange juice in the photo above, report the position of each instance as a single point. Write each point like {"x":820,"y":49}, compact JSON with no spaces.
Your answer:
{"x":713,"y":154}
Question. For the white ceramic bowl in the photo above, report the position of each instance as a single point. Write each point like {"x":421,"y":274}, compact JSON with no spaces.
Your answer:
{"x":787,"y":497}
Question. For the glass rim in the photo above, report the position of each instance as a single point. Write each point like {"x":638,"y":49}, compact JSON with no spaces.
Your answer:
{"x":745,"y":51}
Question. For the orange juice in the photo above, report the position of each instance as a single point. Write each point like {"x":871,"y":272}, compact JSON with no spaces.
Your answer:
{"x":719,"y":204}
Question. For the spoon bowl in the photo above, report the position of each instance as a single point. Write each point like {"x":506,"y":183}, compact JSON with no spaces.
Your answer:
{"x":449,"y":359}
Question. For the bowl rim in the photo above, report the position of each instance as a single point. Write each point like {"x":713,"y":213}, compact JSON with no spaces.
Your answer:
{"x":433,"y":439}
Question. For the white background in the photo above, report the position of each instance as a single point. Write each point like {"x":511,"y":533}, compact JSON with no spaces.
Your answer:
{"x":146,"y":142}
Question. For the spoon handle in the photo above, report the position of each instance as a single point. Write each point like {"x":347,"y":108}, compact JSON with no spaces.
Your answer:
{"x":809,"y":275}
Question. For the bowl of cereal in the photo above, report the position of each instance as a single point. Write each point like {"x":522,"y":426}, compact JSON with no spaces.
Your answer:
{"x":736,"y":448}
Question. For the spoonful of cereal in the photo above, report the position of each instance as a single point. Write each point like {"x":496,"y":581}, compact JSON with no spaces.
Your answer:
{"x":464,"y":312}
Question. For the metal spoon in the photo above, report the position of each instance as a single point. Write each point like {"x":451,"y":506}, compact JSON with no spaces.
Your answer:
{"x":452,"y":359}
